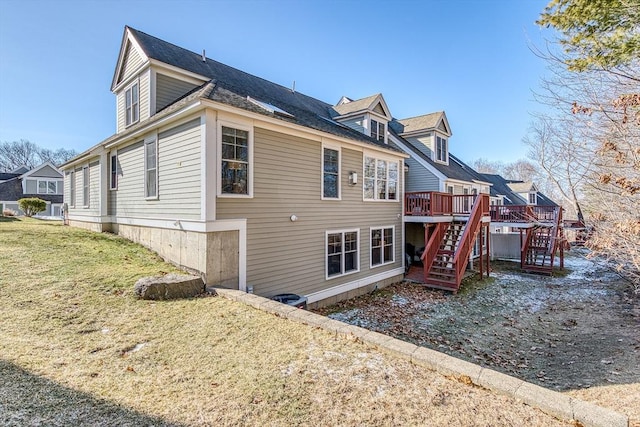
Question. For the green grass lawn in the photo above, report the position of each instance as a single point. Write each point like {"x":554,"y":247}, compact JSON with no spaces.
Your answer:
{"x":77,"y":348}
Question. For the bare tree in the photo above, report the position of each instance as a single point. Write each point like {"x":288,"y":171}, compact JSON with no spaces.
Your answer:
{"x":566,"y":159}
{"x":483,"y":165}
{"x":594,"y":124}
{"x":18,"y":153}
{"x":26,"y":153}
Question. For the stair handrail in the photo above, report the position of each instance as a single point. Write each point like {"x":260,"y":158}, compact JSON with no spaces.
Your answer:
{"x":480,"y":208}
{"x":433,"y":244}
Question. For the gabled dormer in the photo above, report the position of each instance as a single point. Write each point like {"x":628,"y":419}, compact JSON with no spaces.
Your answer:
{"x":527,"y":190}
{"x":147,"y":79}
{"x":368,"y":115}
{"x":430,"y":133}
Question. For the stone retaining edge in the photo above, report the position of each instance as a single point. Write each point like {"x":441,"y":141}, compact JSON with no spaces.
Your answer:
{"x":551,"y":402}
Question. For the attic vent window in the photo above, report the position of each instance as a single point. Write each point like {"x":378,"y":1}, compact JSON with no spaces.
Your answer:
{"x":270,"y":108}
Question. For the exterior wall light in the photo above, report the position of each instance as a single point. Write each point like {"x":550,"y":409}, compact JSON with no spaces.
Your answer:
{"x":293,"y":218}
{"x":353,"y":178}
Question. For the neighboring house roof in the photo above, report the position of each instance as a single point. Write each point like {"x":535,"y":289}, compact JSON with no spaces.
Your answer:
{"x":11,"y":191}
{"x":511,"y":188}
{"x":456,"y":169}
{"x":44,"y":165}
{"x":20,"y":170}
{"x":500,"y":187}
{"x":522,"y":186}
{"x":233,"y":86}
{"x":4,"y":176}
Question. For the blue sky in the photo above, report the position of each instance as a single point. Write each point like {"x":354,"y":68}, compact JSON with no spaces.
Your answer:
{"x":468,"y":58}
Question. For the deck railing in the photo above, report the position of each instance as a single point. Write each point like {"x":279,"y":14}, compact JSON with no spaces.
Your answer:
{"x":432,"y":203}
{"x":522,"y":213}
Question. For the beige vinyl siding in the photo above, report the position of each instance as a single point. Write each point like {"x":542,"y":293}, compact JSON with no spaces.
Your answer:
{"x":120,"y":113}
{"x":423,"y":144}
{"x":356,"y":123}
{"x":178,"y":177}
{"x":132,"y":62}
{"x":94,"y":190}
{"x":420,"y":178}
{"x":144,"y":95}
{"x":143,"y":100}
{"x":169,"y":89}
{"x":282,"y":254}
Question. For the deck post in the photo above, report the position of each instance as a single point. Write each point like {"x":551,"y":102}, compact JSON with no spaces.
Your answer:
{"x":488,"y":234}
{"x":481,"y":236}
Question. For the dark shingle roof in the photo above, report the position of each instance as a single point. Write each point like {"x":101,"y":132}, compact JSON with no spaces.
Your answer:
{"x":508,"y":188}
{"x":233,"y":86}
{"x":426,"y":121}
{"x":456,"y":169}
{"x":4,"y":176}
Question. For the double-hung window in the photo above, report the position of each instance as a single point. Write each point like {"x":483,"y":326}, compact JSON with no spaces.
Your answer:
{"x":380,"y":179}
{"x":86,"y":174}
{"x":330,"y":173}
{"x":441,"y":149}
{"x":113,"y":171}
{"x":382,"y":246}
{"x":151,"y":168}
{"x":377,"y":130}
{"x":342,"y":252}
{"x":533,"y":198}
{"x":235,"y":161}
{"x":47,"y":187}
{"x":132,"y":104}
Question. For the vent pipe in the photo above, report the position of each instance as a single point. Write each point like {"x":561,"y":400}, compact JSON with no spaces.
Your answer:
{"x":293,"y":88}
{"x":204,"y":58}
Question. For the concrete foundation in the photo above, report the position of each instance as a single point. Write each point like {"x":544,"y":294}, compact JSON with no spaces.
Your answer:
{"x":214,"y":256}
{"x":356,"y":292}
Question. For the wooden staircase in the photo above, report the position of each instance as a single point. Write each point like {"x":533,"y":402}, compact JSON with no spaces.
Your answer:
{"x":449,"y":246}
{"x":540,"y":246}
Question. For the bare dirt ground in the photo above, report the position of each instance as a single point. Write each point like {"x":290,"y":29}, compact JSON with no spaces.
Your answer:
{"x":568,"y":332}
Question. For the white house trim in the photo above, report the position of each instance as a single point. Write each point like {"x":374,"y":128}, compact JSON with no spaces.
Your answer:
{"x":421,"y":161}
{"x":346,"y":287}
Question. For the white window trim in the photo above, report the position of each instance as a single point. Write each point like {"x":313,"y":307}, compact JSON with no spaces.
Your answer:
{"x":535,"y":198}
{"x":435,"y":149}
{"x":337,"y":148}
{"x":153,"y":138}
{"x":38,"y":181}
{"x":114,"y":155}
{"x":86,"y":183}
{"x":130,"y":87}
{"x":393,"y":249}
{"x":249,"y":129}
{"x":375,"y":193}
{"x":326,"y":252}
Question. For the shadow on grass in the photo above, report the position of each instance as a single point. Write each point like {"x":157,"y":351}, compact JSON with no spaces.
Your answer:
{"x":8,"y":219}
{"x":27,"y":399}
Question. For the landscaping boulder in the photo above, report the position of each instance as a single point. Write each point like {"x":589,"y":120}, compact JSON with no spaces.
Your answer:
{"x":171,"y":286}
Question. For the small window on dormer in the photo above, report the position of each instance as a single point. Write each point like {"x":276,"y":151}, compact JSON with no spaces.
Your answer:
{"x":377,"y":130}
{"x":533,"y":199}
{"x":132,"y":105}
{"x":441,"y":149}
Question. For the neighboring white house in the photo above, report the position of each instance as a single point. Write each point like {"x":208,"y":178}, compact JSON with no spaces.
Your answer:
{"x":44,"y":182}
